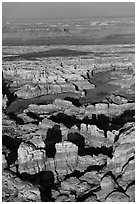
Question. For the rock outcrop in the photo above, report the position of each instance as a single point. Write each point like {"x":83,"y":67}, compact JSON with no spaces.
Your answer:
{"x":30,"y":159}
{"x":68,"y":130}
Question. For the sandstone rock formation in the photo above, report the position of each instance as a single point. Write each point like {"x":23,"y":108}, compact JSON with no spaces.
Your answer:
{"x":68,"y":133}
{"x":30,"y":160}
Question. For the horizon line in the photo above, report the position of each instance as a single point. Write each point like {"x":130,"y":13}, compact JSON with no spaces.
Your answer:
{"x":65,"y":18}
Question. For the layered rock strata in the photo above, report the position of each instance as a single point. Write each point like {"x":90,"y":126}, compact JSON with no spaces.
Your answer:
{"x":66,"y":148}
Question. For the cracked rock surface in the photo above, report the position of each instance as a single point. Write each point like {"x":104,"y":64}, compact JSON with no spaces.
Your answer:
{"x":68,"y":136}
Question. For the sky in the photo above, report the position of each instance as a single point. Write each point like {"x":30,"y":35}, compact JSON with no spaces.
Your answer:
{"x":53,"y":10}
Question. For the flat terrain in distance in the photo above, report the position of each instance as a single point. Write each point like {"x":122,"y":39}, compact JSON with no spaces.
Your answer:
{"x":93,"y":31}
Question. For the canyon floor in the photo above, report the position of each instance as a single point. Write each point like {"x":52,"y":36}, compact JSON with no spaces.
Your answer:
{"x":68,"y":117}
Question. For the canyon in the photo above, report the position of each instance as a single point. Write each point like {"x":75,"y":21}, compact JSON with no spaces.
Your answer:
{"x":68,"y":123}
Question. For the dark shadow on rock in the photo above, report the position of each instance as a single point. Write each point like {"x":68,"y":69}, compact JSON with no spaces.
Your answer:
{"x":45,"y":180}
{"x":102,"y":122}
{"x":46,"y":183}
{"x":105,"y":123}
{"x":83,"y":197}
{"x":11,"y":143}
{"x":96,"y":151}
{"x":68,"y":121}
{"x":34,"y":178}
{"x":74,"y":101}
{"x":48,"y":53}
{"x":53,"y":136}
{"x":34,"y":116}
{"x":77,"y":139}
{"x":95,"y":167}
{"x":127,"y":116}
{"x":75,"y":173}
{"x":13,"y":116}
{"x":6,"y":91}
{"x":50,"y":149}
{"x":12,"y":157}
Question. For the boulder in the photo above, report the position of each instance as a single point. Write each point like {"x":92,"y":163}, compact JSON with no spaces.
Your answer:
{"x":107,"y":186}
{"x":65,"y":158}
{"x":30,"y":159}
{"x":117,"y":197}
{"x":46,"y":124}
{"x":37,"y":141}
{"x":92,"y":178}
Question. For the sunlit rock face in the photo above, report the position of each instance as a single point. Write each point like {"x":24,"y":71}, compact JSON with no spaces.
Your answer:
{"x":124,"y":150}
{"x":30,"y":159}
{"x":94,"y":137}
{"x":65,"y":158}
{"x":64,"y":161}
{"x":54,"y":86}
{"x":122,"y":164}
{"x":33,"y":159}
